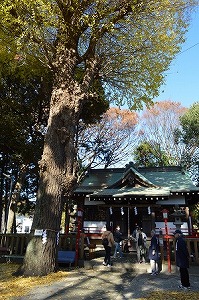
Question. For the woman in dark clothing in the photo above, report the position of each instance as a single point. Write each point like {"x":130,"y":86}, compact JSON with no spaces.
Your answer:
{"x":154,"y":253}
{"x":182,"y":259}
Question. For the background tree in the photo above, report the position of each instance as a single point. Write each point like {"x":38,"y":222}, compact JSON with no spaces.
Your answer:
{"x":195,"y":216}
{"x":126,"y":44}
{"x":107,"y":142}
{"x":158,"y":132}
{"x":150,"y":155}
{"x":24,"y":104}
{"x":189,"y":135}
{"x":190,"y":125}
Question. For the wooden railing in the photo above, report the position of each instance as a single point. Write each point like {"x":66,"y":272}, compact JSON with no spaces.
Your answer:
{"x":16,"y":243}
{"x":192,"y":245}
{"x":193,"y":248}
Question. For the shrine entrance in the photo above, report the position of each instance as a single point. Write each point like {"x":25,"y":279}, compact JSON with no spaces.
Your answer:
{"x":128,"y":218}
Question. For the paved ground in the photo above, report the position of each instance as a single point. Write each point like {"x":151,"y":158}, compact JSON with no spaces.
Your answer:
{"x":124,"y":280}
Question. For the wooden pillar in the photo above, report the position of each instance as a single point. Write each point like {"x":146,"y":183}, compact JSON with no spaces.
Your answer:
{"x":196,"y":250}
{"x":81,"y":254}
{"x":189,"y":222}
{"x":128,"y":215}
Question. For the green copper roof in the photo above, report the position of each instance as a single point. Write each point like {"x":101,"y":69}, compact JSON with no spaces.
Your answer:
{"x":149,"y":182}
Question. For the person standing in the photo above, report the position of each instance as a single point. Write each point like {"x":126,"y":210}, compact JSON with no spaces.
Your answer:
{"x":133,"y":237}
{"x":107,"y":234}
{"x":154,"y":253}
{"x":182,"y":259}
{"x":141,"y":245}
{"x":117,"y":239}
{"x":135,"y":231}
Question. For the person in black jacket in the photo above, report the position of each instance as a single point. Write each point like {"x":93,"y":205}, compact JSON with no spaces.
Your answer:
{"x":117,"y":239}
{"x":154,"y":253}
{"x":182,"y":259}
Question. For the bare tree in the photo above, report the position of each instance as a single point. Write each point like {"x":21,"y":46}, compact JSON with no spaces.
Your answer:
{"x":107,"y":142}
{"x":159,"y":127}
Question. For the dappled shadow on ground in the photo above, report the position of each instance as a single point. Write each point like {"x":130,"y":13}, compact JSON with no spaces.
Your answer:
{"x":109,"y":285}
{"x":119,"y":282}
{"x":101,"y":285}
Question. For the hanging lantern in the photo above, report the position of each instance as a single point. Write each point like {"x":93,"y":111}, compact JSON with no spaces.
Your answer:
{"x":165,"y":214}
{"x":111,"y":211}
{"x":149,"y":210}
{"x":122,"y":211}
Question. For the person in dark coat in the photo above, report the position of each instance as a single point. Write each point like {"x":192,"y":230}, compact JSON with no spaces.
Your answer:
{"x":154,"y":253}
{"x":182,"y":259}
{"x":117,"y":238}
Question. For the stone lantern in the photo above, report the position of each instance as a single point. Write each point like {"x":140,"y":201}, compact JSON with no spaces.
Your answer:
{"x":179,"y":216}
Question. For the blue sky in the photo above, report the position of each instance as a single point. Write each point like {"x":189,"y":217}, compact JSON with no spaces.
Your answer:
{"x":182,"y":80}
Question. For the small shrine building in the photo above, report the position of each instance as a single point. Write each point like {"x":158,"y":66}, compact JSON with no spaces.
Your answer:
{"x":133,"y":196}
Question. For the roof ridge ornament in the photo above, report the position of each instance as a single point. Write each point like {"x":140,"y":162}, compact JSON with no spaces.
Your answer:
{"x":130,"y":165}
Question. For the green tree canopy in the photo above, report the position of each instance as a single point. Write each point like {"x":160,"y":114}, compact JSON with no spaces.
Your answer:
{"x":134,"y":42}
{"x":190,"y":125}
{"x":150,"y":155}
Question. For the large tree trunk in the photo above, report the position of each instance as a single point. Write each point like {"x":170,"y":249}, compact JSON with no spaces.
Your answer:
{"x":56,"y":180}
{"x":57,"y":167}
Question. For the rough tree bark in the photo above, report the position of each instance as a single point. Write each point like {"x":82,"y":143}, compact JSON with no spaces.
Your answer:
{"x":57,"y":166}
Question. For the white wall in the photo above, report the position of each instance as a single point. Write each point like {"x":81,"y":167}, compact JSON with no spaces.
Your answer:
{"x":94,"y":226}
